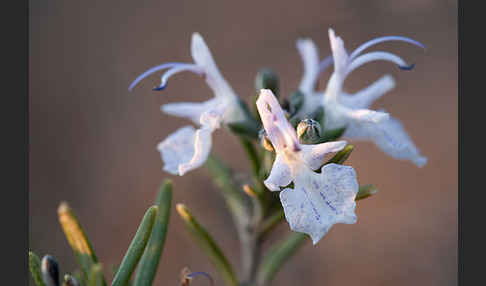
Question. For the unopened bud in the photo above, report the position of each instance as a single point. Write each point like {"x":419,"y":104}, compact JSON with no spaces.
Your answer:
{"x":50,"y":271}
{"x":267,"y":79}
{"x":309,"y":131}
{"x":70,"y":281}
{"x":265,"y":142}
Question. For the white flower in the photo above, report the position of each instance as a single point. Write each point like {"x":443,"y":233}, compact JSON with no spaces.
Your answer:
{"x":351,"y":111}
{"x":318,"y":200}
{"x":188,"y":148}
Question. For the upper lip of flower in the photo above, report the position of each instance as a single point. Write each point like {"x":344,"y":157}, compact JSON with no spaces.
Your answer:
{"x":209,"y":114}
{"x":308,"y":52}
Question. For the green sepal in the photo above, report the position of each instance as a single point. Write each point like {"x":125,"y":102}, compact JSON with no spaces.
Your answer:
{"x":332,"y":134}
{"x":249,"y":126}
{"x":267,"y":78}
{"x":294,"y":102}
{"x":342,"y":155}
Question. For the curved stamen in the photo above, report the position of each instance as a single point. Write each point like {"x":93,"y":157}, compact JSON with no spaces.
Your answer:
{"x":194,"y":274}
{"x":177,"y":69}
{"x":375,"y":56}
{"x":370,"y":43}
{"x":151,"y":71}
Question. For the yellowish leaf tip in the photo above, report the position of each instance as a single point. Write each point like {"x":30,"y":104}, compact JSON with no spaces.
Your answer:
{"x":183,"y":212}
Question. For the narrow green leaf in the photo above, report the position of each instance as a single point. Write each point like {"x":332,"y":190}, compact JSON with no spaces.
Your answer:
{"x":366,"y":191}
{"x":150,"y":259}
{"x":223,"y":179}
{"x":77,"y":239}
{"x":271,"y":222}
{"x":278,"y":255}
{"x":35,"y":269}
{"x":208,"y":245}
{"x":136,"y":248}
{"x":252,"y":155}
{"x":96,"y":275}
{"x":342,"y":155}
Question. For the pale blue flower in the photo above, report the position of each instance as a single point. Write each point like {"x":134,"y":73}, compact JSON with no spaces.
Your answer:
{"x":318,"y":200}
{"x":188,"y":148}
{"x":351,"y":110}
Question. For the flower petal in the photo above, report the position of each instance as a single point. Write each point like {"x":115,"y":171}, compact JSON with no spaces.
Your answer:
{"x":202,"y":147}
{"x":177,"y":148}
{"x":319,"y":201}
{"x":360,"y":116}
{"x":365,"y":97}
{"x":310,"y":58}
{"x":313,"y":155}
{"x":279,"y":130}
{"x":203,"y":58}
{"x":190,"y":110}
{"x":280,"y":175}
{"x":390,"y":136}
{"x":339,"y":53}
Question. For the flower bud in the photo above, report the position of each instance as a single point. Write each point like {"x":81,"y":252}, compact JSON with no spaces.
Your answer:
{"x":267,"y":79}
{"x":264,"y":141}
{"x":69,"y":280}
{"x":50,"y":271}
{"x":309,"y":131}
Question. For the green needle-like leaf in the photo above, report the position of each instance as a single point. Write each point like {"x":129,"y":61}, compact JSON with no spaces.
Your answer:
{"x":278,"y":255}
{"x":136,"y":248}
{"x":342,"y":155}
{"x":35,"y":269}
{"x":223,"y":179}
{"x":271,"y":222}
{"x":208,"y":245}
{"x":150,"y":259}
{"x":77,"y":238}
{"x":96,"y":275}
{"x":366,"y":191}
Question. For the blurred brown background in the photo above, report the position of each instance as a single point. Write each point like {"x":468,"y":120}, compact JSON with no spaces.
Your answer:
{"x":93,"y":143}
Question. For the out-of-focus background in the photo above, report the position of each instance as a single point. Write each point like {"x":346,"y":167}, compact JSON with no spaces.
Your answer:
{"x":93,"y":143}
